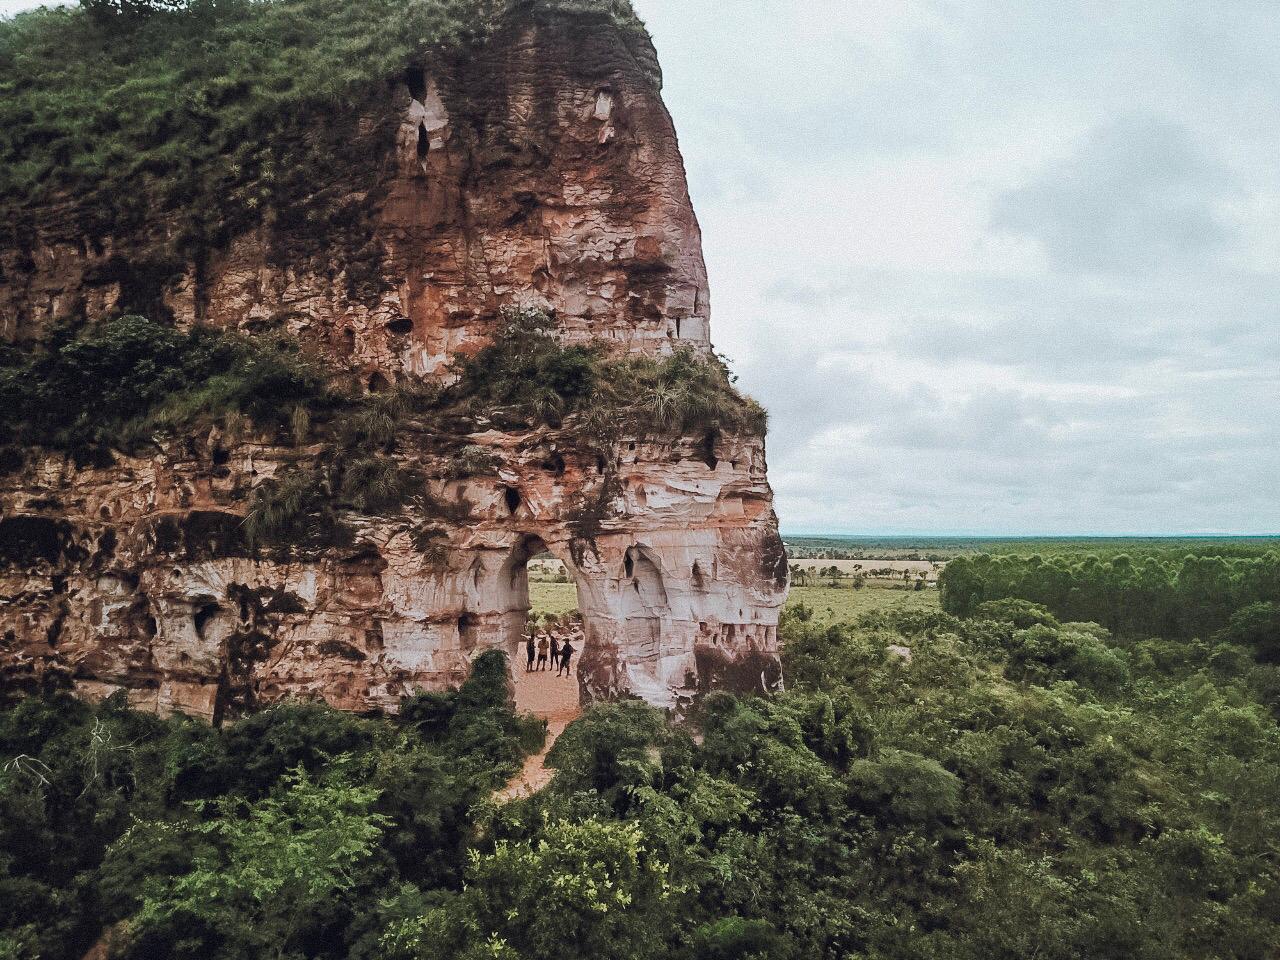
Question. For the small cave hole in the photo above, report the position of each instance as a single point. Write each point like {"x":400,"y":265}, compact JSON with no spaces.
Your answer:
{"x":203,"y":616}
{"x":708,"y":450}
{"x":220,"y":456}
{"x":697,"y":575}
{"x":467,"y":624}
{"x":512,"y":498}
{"x":400,"y":326}
{"x":554,"y":464}
{"x":601,"y":463}
{"x":379,"y":384}
{"x":629,"y":564}
{"x":677,"y":328}
{"x":349,"y":339}
{"x":424,"y":142}
{"x":416,"y":80}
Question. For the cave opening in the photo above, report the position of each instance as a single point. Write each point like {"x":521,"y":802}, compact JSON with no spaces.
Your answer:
{"x":511,"y":496}
{"x":544,"y":604}
{"x":416,"y":80}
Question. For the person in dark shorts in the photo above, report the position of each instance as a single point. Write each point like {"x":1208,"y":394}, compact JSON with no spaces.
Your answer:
{"x":566,"y":654}
{"x":528,"y":649}
{"x":542,"y":654}
{"x":555,"y":651}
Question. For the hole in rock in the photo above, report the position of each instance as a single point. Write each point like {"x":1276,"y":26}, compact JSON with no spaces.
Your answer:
{"x":202,"y":617}
{"x":424,"y":142}
{"x":467,"y":625}
{"x":512,"y":498}
{"x":379,"y":384}
{"x":554,"y":464}
{"x":400,"y":326}
{"x":600,"y":463}
{"x":416,"y":80}
{"x":707,"y":449}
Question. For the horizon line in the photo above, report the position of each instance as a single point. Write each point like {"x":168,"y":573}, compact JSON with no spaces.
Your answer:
{"x":1034,"y":536}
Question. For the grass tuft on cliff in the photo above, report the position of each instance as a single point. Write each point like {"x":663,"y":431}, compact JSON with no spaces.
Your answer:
{"x":216,"y":111}
{"x":527,"y":374}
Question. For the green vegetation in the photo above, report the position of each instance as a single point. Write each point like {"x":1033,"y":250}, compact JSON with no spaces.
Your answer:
{"x":947,"y":548}
{"x":527,"y":376}
{"x":219,"y":112}
{"x":1143,"y":595}
{"x":299,"y":831}
{"x":1018,"y":786}
{"x":116,"y":384}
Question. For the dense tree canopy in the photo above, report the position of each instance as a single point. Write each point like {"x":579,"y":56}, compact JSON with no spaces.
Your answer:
{"x":1019,"y":786}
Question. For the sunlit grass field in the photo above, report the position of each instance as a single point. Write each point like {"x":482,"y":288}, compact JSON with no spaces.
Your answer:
{"x":830,"y":604}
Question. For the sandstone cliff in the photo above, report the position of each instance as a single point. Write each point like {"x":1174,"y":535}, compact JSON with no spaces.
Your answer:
{"x":537,"y":170}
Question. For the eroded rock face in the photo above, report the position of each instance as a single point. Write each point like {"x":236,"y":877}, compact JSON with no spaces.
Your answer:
{"x":543,"y":173}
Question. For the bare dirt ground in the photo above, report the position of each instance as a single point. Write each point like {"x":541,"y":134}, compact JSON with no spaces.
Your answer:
{"x":554,"y":699}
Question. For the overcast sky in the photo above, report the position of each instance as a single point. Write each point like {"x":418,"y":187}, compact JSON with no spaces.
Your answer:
{"x":995,"y":266}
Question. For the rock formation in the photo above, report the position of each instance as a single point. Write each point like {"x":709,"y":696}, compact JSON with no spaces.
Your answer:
{"x":541,"y":171}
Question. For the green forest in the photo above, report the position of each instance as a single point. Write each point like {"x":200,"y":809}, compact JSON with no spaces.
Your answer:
{"x":1001,"y":784}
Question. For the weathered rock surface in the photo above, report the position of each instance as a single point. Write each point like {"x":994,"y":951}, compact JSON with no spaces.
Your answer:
{"x":543,"y":173}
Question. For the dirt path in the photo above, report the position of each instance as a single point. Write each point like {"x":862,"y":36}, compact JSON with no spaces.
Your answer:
{"x":554,"y":699}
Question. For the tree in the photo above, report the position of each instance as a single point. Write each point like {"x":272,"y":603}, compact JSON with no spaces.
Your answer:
{"x":262,"y":872}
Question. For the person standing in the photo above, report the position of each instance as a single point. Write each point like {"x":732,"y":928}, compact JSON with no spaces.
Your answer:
{"x":542,"y":654}
{"x":555,"y":651}
{"x":566,"y":654}
{"x":528,"y":649}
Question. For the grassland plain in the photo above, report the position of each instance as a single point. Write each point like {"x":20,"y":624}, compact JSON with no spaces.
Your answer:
{"x":839,"y":605}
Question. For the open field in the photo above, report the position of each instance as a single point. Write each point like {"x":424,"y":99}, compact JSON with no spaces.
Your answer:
{"x":830,"y":604}
{"x":945,"y":548}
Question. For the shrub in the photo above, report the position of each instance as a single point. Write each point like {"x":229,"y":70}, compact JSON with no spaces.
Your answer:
{"x":375,"y":485}
{"x":131,"y":377}
{"x":1256,"y":626}
{"x":291,"y":509}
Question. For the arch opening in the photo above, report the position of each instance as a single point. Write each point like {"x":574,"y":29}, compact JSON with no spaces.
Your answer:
{"x":543,"y":600}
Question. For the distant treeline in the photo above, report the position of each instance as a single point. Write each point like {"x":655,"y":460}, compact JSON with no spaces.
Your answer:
{"x":946,"y":548}
{"x":1151,"y":595}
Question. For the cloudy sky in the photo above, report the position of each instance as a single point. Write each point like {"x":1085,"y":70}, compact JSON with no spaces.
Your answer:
{"x":995,"y":266}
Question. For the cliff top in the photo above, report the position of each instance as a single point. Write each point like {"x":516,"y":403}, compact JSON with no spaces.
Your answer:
{"x":217,"y":109}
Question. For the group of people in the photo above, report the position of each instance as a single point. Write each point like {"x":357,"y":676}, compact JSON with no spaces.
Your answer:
{"x":561,"y":653}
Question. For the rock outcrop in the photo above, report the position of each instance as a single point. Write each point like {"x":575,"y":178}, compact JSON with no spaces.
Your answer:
{"x":542,"y":172}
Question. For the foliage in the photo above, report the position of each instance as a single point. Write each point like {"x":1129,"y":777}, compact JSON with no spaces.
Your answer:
{"x":293,"y":508}
{"x":526,"y":374}
{"x":130,"y":378}
{"x":374,"y":484}
{"x":584,"y":890}
{"x":261,"y":872}
{"x":1145,"y":595}
{"x":277,"y":835}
